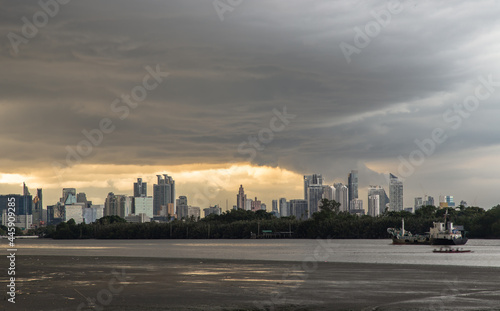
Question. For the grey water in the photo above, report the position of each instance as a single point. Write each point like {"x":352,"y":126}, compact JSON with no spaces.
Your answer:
{"x":485,"y":253}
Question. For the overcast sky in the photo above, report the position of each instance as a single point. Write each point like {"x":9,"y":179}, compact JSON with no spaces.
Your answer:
{"x":358,"y":90}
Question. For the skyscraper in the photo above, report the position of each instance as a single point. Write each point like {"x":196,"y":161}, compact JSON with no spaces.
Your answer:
{"x":418,"y":203}
{"x":163,"y":193}
{"x":284,"y":208}
{"x":352,"y":182}
{"x":275,"y":206}
{"x":119,"y":205}
{"x":395,"y":194}
{"x":256,"y":205}
{"x":374,"y":205}
{"x":314,"y":179}
{"x":241,"y":198}
{"x":298,"y":208}
{"x":356,"y":207}
{"x":342,"y":196}
{"x":328,"y":192}
{"x":428,"y":200}
{"x":383,"y":198}
{"x":66,"y":192}
{"x":314,"y":196}
{"x":38,"y":207}
{"x":182,"y":207}
{"x":248,"y":204}
{"x":140,"y":188}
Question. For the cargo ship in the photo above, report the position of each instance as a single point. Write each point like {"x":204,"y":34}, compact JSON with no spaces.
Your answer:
{"x":402,"y":236}
{"x":442,"y":233}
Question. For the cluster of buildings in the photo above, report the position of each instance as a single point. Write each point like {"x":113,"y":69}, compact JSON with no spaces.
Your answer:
{"x":139,"y":208}
{"x":163,"y":206}
{"x":347,"y":195}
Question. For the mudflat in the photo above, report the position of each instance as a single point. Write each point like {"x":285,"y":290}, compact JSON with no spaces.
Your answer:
{"x":124,"y":283}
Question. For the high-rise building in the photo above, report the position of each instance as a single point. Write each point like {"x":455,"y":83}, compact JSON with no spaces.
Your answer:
{"x":383,"y":198}
{"x":342,"y":196}
{"x":55,"y":213}
{"x":355,"y":205}
{"x":449,"y":199}
{"x":182,"y":200}
{"x":216,"y":210}
{"x":284,"y":211}
{"x":194,"y":212}
{"x":119,"y":205}
{"x":66,"y":192}
{"x":74,"y":211}
{"x":275,"y":206}
{"x":140,"y":188}
{"x":38,"y":210}
{"x":163,"y":193}
{"x":82,"y":198}
{"x":182,"y":207}
{"x":314,"y":196}
{"x":374,"y":205}
{"x":263,"y":207}
{"x":248,"y":204}
{"x":328,"y":192}
{"x":428,"y":200}
{"x":256,"y":205}
{"x":314,"y":179}
{"x":419,"y":202}
{"x":353,"y":185}
{"x":446,"y":201}
{"x":298,"y":208}
{"x":241,"y":198}
{"x":395,"y":194}
{"x":186,"y":211}
{"x":92,"y":213}
{"x":143,"y":205}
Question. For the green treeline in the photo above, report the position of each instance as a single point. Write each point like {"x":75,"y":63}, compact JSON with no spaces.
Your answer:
{"x":240,"y":224}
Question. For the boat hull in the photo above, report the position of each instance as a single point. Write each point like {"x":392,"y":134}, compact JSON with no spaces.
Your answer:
{"x":461,"y":241}
{"x":410,"y":241}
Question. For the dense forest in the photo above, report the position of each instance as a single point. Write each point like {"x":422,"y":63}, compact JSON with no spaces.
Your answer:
{"x":240,"y":224}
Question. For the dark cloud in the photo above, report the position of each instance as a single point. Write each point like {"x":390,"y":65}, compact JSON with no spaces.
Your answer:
{"x":227,"y":77}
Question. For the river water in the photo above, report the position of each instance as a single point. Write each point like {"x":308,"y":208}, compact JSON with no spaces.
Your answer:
{"x":485,"y":253}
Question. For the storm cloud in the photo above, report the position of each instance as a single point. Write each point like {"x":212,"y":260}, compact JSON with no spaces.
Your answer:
{"x":226,"y":78}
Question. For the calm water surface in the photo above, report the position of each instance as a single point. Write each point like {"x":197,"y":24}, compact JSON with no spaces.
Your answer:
{"x":485,"y":252}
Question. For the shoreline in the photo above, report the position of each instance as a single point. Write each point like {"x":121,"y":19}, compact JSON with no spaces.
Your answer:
{"x":138,"y":283}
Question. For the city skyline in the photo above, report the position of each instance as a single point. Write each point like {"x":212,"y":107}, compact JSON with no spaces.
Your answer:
{"x":322,"y":191}
{"x":92,"y":106}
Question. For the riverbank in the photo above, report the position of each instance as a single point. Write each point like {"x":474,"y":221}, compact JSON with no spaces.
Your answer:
{"x":118,"y":283}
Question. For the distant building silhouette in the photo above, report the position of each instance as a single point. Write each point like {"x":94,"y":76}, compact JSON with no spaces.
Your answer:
{"x":241,"y":198}
{"x":314,"y":179}
{"x":163,"y":193}
{"x":395,"y":194}
{"x":374,"y":205}
{"x":383,"y":198}
{"x":342,"y":196}
{"x":352,"y":185}
{"x":140,"y":188}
